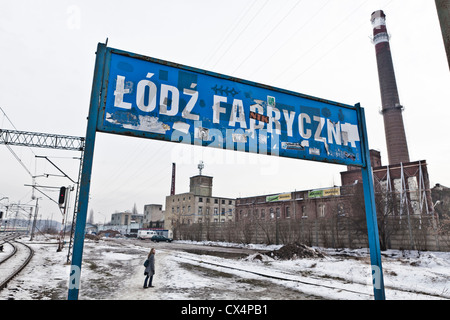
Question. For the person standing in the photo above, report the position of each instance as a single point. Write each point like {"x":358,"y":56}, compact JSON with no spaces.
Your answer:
{"x":149,"y":269}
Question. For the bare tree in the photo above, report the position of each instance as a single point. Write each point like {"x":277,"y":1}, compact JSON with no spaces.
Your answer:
{"x":134,"y":210}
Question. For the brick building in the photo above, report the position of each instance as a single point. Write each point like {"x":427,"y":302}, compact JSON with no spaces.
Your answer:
{"x":406,"y":184}
{"x":307,"y":204}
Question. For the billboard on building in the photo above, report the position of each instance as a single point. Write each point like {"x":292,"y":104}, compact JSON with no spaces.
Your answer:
{"x":321,"y":193}
{"x":279,"y":197}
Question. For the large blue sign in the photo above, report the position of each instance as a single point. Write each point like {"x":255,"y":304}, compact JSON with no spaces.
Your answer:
{"x":145,"y":97}
{"x":161,"y":100}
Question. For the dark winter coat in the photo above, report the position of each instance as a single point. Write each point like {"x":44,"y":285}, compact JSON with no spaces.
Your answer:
{"x":150,"y":269}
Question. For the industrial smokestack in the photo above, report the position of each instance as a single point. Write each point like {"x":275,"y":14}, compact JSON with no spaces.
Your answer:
{"x":172,"y":187}
{"x":443,"y":9}
{"x":397,"y":147}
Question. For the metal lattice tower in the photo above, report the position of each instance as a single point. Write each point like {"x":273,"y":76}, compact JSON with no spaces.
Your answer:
{"x":41,"y":140}
{"x":50,"y":141}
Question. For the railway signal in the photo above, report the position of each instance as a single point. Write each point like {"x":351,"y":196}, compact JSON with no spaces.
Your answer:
{"x":62,"y":196}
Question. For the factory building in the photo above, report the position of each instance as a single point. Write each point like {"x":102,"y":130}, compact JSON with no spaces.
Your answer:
{"x":198,"y":205}
{"x":153,"y":216}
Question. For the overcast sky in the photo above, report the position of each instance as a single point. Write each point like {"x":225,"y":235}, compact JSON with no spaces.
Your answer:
{"x":316,"y":47}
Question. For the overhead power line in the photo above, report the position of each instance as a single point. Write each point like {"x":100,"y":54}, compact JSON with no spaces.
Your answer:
{"x":224,"y":40}
{"x":291,"y":10}
{"x":311,"y":18}
{"x":241,"y":33}
{"x":328,"y":34}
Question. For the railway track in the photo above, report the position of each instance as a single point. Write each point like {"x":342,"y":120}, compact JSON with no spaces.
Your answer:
{"x":336,"y":285}
{"x":12,"y":263}
{"x":8,"y":236}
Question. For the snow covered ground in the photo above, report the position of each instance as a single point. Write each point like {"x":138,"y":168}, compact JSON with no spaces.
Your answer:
{"x":112,"y":269}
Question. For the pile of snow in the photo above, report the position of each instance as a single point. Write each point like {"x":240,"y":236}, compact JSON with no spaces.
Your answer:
{"x":295,"y":251}
{"x":233,"y":245}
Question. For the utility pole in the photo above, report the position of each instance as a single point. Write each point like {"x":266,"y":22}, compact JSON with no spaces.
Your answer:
{"x":34,"y":220}
{"x":443,"y":10}
{"x":29,"y":221}
{"x":15,"y":219}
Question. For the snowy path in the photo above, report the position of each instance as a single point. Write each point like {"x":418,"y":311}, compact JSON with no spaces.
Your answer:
{"x":180,"y":276}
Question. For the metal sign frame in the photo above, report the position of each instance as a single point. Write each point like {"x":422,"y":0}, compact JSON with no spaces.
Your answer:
{"x":146,"y":97}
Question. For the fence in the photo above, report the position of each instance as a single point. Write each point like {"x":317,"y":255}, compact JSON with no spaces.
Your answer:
{"x":340,"y":232}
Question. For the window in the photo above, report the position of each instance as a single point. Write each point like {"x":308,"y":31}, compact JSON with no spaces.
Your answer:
{"x":216,"y":201}
{"x":200,"y":199}
{"x":321,"y":210}
{"x":230,"y":201}
{"x":278,"y":213}
{"x":223,"y":201}
{"x":341,"y":211}
{"x":304,"y":214}
{"x":271,"y":213}
{"x":288,"y":212}
{"x":263,"y":213}
{"x":200,"y":210}
{"x":414,"y":194}
{"x":216,"y":211}
{"x":223,"y":211}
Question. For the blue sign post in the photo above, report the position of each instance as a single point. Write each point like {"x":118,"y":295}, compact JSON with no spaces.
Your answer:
{"x":145,"y":97}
